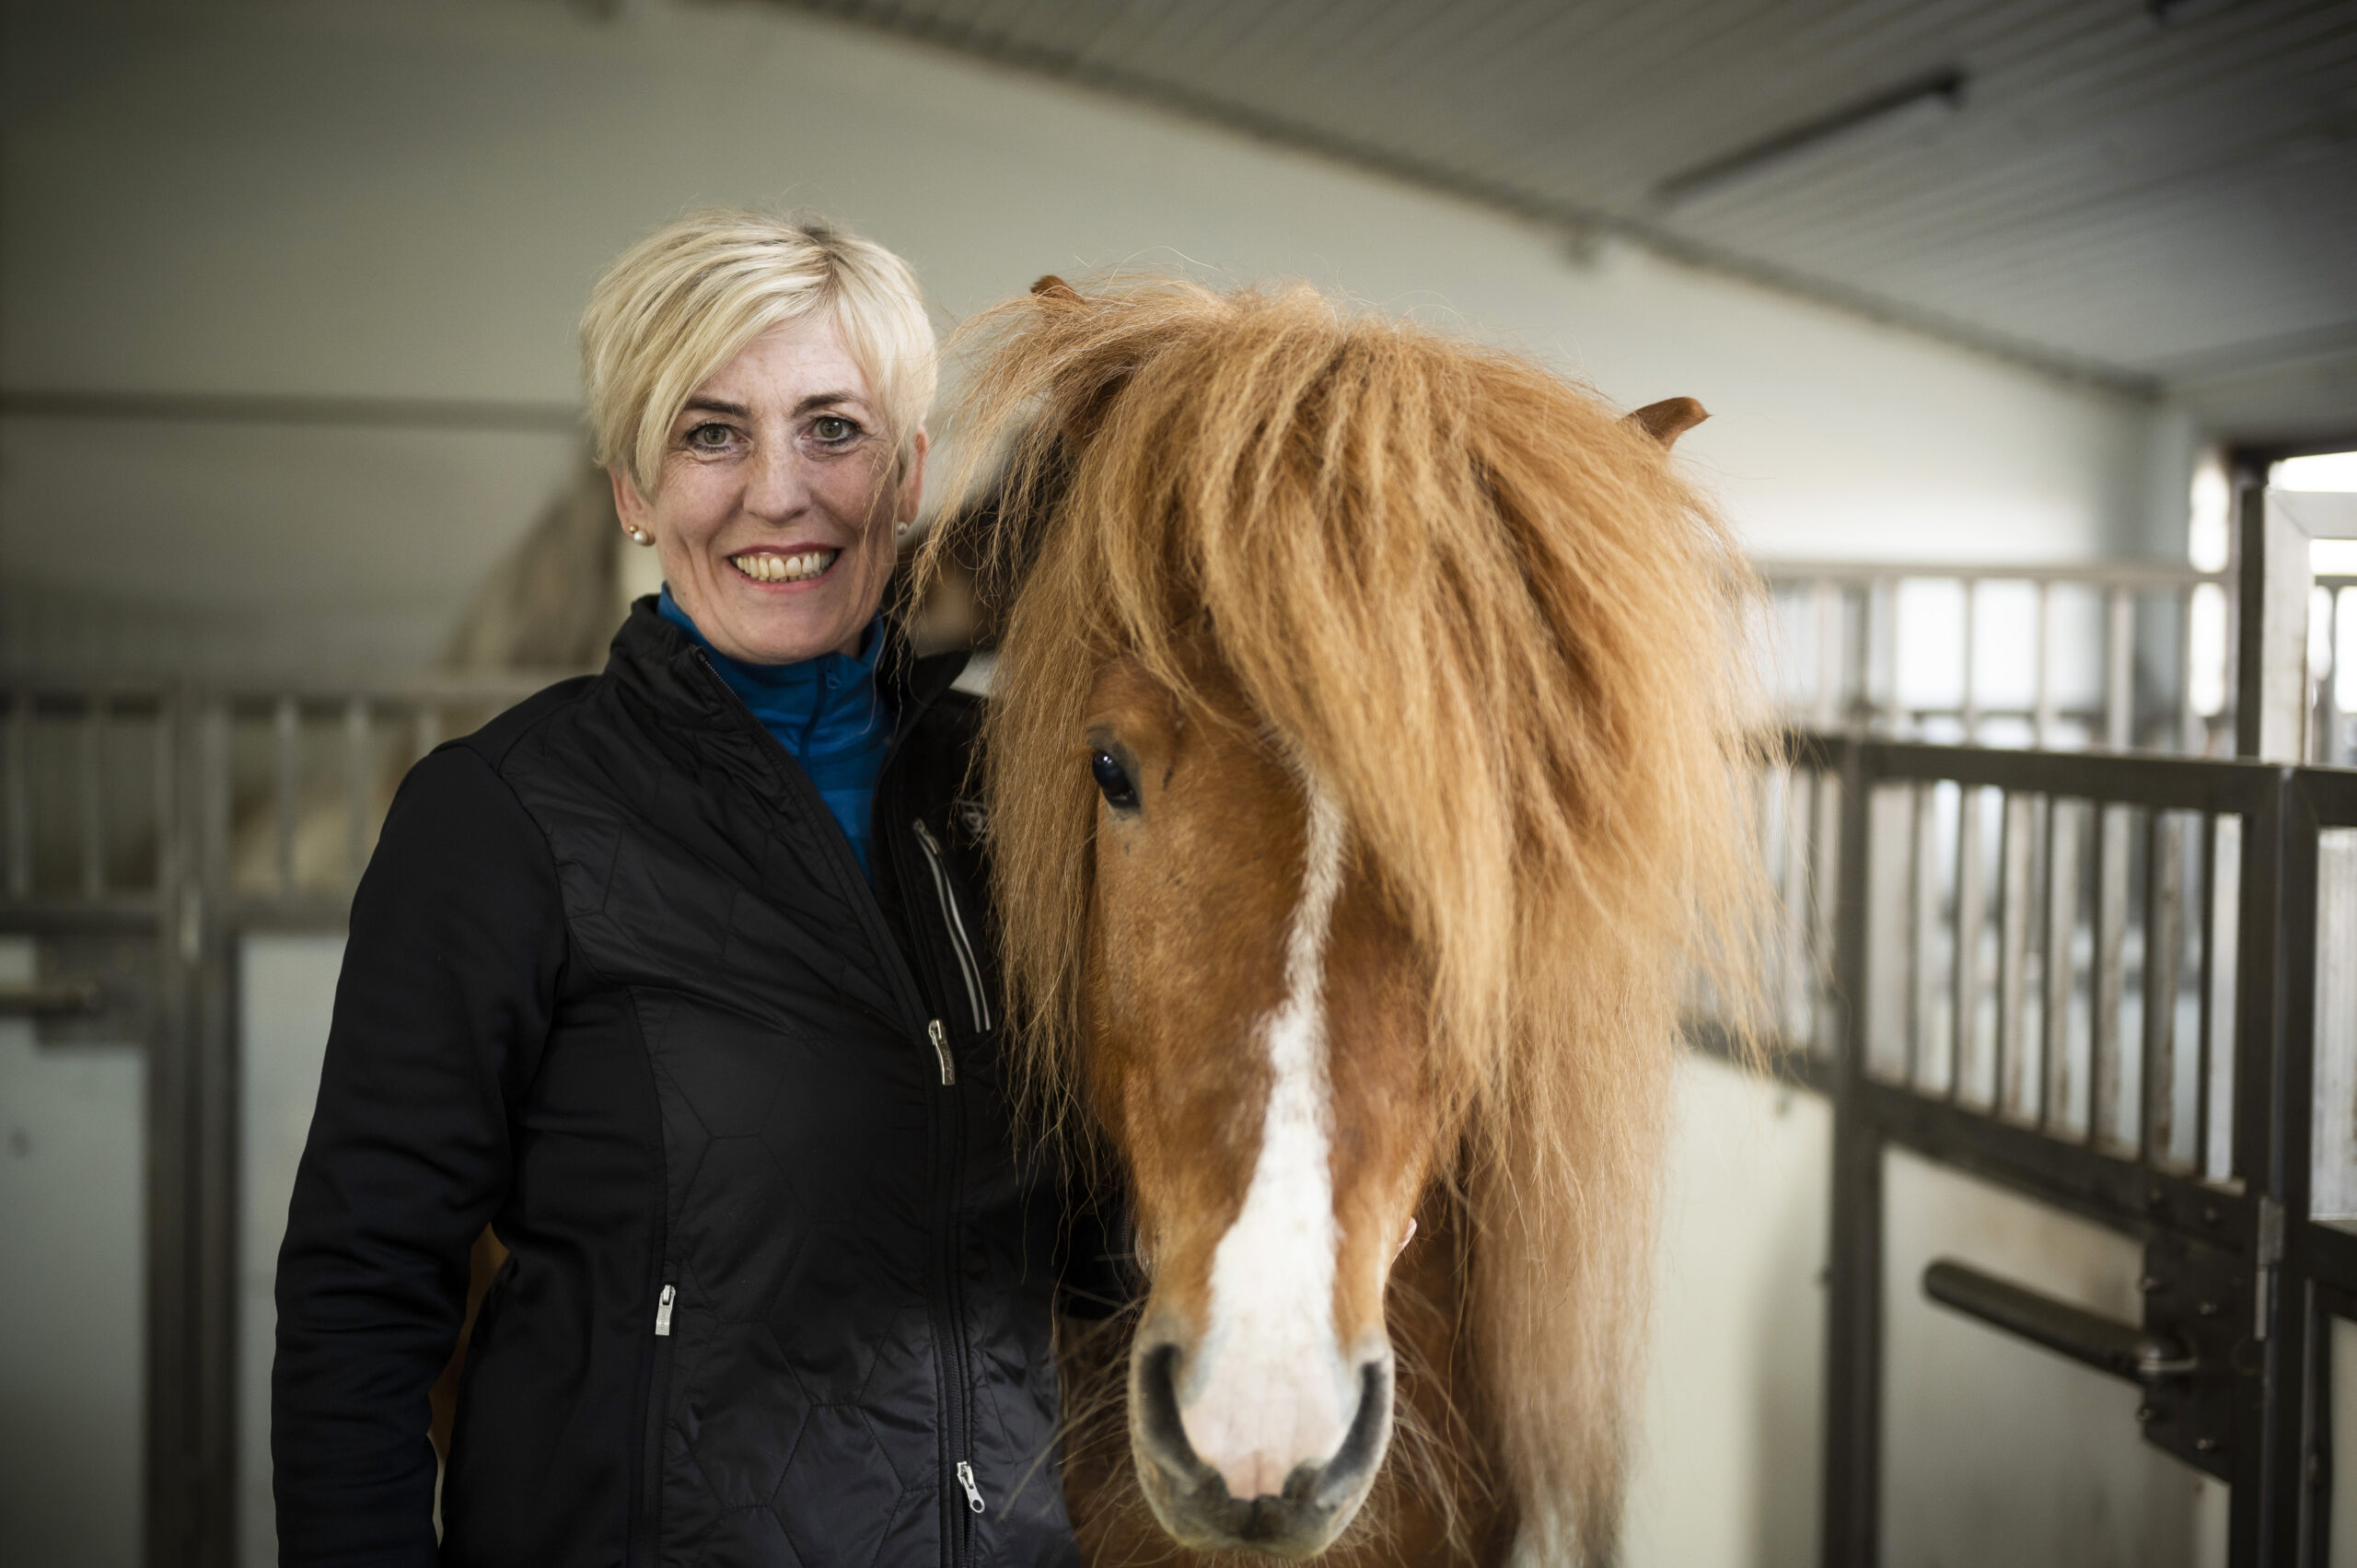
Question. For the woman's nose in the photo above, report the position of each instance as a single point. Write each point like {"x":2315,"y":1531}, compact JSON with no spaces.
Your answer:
{"x":778,"y":487}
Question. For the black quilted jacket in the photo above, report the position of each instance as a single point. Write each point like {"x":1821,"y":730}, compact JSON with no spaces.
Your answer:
{"x":779,"y":1290}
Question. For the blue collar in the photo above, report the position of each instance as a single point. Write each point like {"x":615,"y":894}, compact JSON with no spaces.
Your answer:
{"x":827,"y":711}
{"x":828,"y":703}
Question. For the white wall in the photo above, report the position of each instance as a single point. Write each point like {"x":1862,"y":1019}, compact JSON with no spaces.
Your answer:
{"x":1729,"y":1464}
{"x":411,"y":200}
{"x":73,"y":1312}
{"x":286,"y":995}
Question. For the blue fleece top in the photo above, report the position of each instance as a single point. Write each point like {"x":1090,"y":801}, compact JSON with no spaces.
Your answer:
{"x":828,"y":711}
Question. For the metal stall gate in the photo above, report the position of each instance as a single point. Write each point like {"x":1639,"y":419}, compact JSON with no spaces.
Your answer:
{"x":2125,"y":987}
{"x":2062,"y":977}
{"x":2122,"y":987}
{"x":148,"y":838}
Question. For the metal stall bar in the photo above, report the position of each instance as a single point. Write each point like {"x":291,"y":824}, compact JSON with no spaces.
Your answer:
{"x":1965,"y":975}
{"x":198,"y":1482}
{"x":2119,"y":670}
{"x":92,"y":793}
{"x":18,"y":803}
{"x":286,"y":734}
{"x":2015,"y":1075}
{"x":2164,"y":944}
{"x":358,"y":807}
{"x":174,"y":1478}
{"x":2063,"y":861}
{"x":1853,"y":1478}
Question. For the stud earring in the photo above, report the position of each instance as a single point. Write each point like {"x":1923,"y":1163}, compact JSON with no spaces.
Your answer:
{"x":639,"y":535}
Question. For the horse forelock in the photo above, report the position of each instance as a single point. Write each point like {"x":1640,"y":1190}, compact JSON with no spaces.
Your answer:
{"x":1503,"y":634}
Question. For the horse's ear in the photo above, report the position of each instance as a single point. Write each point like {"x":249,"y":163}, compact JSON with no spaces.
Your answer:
{"x":1665,"y":421}
{"x":1087,"y":410}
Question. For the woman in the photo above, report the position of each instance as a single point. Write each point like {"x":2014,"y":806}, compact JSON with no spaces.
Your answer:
{"x":675,"y":976}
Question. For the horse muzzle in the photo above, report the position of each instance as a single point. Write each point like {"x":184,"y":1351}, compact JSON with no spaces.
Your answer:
{"x":1317,"y":1500}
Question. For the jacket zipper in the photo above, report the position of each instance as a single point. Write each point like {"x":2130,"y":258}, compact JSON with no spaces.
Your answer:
{"x":959,"y":943}
{"x":658,"y":1389}
{"x":958,"y":1537}
{"x":973,"y":1493}
{"x":956,"y":1426}
{"x":950,"y":1348}
{"x":940,"y":1038}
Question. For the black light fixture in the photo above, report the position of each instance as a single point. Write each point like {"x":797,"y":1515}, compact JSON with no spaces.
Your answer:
{"x":2170,"y":13}
{"x":1933,"y":95}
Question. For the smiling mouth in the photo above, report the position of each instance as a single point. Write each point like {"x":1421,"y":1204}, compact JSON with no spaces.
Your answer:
{"x":767,"y":566}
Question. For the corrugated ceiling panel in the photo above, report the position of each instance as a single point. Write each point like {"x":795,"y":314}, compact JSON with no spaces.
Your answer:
{"x":2112,"y":192}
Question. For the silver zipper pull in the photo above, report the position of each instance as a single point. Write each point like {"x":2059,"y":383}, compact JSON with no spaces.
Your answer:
{"x":966,"y":1480}
{"x":663,"y":1310}
{"x":940,"y":1038}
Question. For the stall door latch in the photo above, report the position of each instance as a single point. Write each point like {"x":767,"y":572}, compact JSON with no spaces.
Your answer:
{"x":2198,"y":1312}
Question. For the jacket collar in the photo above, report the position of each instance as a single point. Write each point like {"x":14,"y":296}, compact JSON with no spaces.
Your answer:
{"x":660,"y":666}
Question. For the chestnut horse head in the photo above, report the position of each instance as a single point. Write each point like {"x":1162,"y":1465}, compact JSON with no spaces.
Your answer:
{"x":1365,"y":757}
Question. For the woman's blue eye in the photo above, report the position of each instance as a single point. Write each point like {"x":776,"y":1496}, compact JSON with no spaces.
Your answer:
{"x":1113,"y":781}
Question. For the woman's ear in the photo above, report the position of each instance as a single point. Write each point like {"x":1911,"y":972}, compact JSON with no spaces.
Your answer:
{"x":631,"y":507}
{"x":912,"y":481}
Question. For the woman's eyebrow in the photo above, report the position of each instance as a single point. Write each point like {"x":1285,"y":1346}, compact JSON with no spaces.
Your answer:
{"x":743,"y":411}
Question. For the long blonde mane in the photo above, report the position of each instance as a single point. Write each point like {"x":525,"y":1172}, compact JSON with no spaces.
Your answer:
{"x":1499,"y":629}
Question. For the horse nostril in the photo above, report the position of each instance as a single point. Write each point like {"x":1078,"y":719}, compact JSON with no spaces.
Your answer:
{"x":1156,"y":1395}
{"x":1370,"y":1433}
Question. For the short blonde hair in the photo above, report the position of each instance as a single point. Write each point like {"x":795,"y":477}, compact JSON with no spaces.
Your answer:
{"x":686,"y":299}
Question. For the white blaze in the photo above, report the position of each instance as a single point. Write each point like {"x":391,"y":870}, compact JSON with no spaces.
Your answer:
{"x":1268,"y":1388}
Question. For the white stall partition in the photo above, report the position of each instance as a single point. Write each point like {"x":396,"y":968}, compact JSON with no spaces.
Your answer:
{"x":73,"y":1315}
{"x":1729,"y":1468}
{"x":286,"y":991}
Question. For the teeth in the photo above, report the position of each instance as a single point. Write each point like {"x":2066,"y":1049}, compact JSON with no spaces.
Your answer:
{"x":767,"y":568}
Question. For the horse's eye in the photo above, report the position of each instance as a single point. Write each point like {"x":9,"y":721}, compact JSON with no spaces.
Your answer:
{"x":1120,"y":791}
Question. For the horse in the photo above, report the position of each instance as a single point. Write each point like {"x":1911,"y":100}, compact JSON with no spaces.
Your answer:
{"x":1365,"y":770}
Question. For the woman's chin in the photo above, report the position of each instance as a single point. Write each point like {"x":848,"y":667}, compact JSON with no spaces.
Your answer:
{"x":777,"y":638}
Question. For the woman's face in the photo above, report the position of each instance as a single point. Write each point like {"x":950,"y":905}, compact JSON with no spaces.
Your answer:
{"x":779,"y":505}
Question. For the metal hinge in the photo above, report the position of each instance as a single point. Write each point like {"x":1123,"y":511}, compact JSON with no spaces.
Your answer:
{"x":2269,"y":1249}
